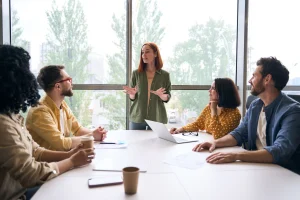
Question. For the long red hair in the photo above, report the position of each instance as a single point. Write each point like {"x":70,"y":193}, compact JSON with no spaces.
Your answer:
{"x":158,"y":60}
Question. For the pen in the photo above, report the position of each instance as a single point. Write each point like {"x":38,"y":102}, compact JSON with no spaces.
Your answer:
{"x":108,"y":143}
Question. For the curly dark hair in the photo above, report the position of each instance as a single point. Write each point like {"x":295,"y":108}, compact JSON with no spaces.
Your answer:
{"x":18,"y":86}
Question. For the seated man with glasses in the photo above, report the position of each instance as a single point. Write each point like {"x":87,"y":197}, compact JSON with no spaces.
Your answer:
{"x":52,"y":123}
{"x":221,"y":115}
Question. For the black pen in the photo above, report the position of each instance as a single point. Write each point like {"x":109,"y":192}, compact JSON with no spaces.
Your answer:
{"x":108,"y":143}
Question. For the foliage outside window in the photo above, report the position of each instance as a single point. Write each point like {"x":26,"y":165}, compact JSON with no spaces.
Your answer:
{"x":197,"y":40}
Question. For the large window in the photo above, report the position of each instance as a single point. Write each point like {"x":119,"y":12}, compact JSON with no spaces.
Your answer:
{"x":197,"y":39}
{"x":274,"y":30}
{"x":76,"y":33}
{"x":80,"y":35}
{"x":185,"y":110}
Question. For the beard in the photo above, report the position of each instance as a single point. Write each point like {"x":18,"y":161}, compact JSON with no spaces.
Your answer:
{"x":258,"y":89}
{"x":67,"y":93}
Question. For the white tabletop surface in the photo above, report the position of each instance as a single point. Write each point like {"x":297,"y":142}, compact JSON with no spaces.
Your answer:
{"x":163,"y":181}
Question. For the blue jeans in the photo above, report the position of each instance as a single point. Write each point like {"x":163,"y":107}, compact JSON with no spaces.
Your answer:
{"x":139,"y":126}
{"x":31,"y":191}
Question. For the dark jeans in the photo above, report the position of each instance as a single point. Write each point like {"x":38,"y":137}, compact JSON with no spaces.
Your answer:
{"x":31,"y":191}
{"x":139,"y":126}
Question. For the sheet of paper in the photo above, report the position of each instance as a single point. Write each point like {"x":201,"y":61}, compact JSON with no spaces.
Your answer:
{"x":190,"y":160}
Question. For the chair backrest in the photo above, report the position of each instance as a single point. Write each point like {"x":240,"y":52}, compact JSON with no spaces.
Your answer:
{"x":295,"y":97}
{"x":250,"y":98}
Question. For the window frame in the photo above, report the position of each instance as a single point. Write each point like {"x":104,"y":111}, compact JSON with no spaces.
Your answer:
{"x":241,"y":54}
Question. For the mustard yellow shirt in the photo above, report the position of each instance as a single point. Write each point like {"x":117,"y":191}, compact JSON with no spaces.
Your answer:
{"x":218,"y":125}
{"x":43,"y":123}
{"x":19,"y":159}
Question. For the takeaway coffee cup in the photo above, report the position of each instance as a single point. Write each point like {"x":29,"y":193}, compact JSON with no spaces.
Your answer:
{"x":131,"y":179}
{"x":87,"y":142}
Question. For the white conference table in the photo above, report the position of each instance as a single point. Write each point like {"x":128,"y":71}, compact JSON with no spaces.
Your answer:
{"x":235,"y":181}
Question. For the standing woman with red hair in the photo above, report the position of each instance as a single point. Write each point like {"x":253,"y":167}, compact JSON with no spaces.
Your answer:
{"x":149,"y":89}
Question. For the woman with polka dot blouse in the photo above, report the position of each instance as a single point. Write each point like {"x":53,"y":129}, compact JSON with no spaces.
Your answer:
{"x":221,"y":115}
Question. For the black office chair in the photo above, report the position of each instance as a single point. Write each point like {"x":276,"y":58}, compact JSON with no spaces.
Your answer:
{"x":250,"y":98}
{"x":295,"y":97}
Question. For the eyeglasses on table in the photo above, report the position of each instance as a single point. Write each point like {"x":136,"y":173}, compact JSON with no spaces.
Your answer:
{"x":190,"y":133}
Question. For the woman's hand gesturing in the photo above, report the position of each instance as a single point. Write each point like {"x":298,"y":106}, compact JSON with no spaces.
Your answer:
{"x":129,"y":90}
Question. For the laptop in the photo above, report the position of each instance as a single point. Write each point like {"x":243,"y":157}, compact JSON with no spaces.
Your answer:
{"x":163,"y":133}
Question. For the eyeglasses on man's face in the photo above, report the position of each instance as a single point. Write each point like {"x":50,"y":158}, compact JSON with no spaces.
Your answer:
{"x":66,"y":79}
{"x":190,"y":133}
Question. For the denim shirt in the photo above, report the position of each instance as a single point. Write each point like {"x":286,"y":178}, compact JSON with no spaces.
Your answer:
{"x":282,"y":131}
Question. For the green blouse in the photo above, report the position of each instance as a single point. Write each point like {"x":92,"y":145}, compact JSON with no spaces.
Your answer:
{"x":156,"y":110}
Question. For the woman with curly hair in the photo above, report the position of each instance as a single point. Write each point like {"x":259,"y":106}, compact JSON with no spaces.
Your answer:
{"x":23,"y":164}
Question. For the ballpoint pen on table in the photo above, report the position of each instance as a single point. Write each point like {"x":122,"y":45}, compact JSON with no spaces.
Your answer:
{"x":108,"y":143}
{"x":111,"y":142}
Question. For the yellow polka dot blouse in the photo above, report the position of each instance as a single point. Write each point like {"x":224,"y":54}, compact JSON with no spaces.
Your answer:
{"x":218,"y":125}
